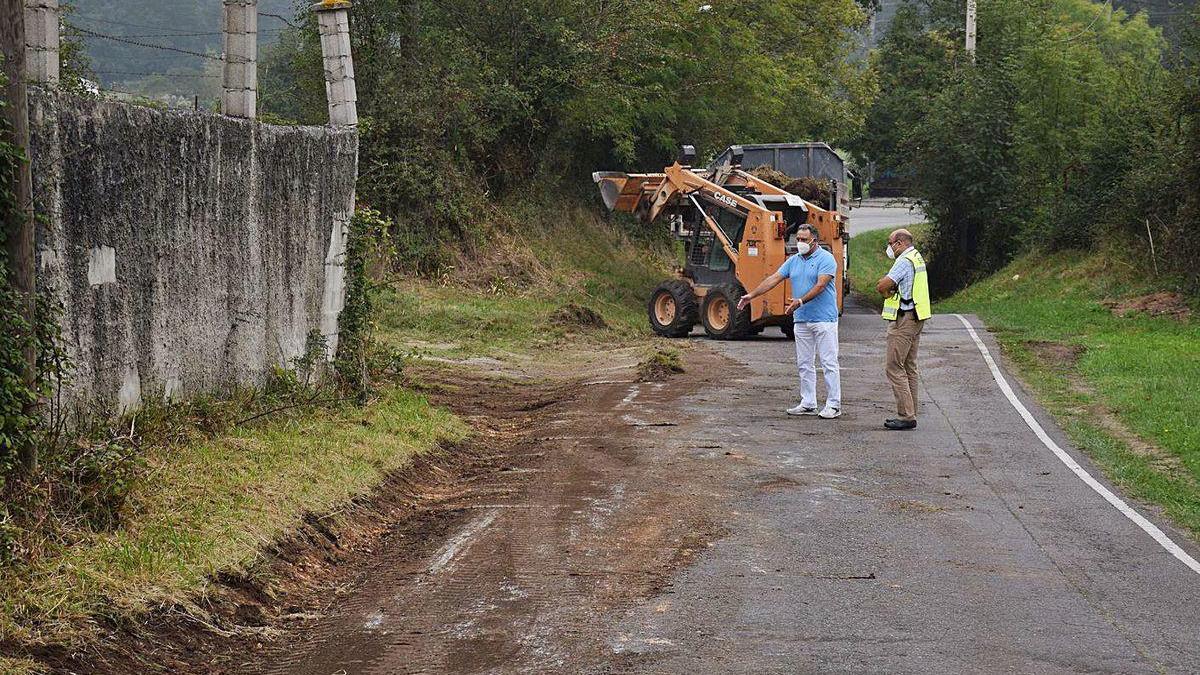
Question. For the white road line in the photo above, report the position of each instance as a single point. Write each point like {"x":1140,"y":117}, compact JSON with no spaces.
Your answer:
{"x":1074,"y":466}
{"x":460,"y":540}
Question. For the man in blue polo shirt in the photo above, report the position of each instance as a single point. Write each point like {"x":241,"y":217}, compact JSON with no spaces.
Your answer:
{"x":815,"y":314}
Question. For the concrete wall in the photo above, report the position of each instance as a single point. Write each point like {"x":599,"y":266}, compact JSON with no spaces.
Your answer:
{"x":192,"y":252}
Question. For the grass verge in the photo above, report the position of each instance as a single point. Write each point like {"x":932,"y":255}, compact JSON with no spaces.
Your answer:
{"x":509,"y":299}
{"x":213,"y":506}
{"x":1123,"y":386}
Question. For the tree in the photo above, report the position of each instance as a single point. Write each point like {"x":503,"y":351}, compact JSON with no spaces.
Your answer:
{"x":464,"y":102}
{"x":1035,"y":141}
{"x":17,"y":191}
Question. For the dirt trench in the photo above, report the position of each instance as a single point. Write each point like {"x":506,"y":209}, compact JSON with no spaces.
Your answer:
{"x":497,"y":552}
{"x":570,"y":525}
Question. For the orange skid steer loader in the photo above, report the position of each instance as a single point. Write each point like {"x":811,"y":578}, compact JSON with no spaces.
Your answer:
{"x":736,"y":231}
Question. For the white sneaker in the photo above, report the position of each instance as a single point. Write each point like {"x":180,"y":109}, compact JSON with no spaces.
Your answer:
{"x":828,"y":413}
{"x":801,"y":410}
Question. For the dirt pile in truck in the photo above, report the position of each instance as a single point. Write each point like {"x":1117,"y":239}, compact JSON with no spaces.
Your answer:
{"x":815,"y":190}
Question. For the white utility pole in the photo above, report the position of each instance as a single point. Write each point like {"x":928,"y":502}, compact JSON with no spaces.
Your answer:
{"x":239,"y":97}
{"x":41,"y":41}
{"x":333,"y":23}
{"x":971,"y":29}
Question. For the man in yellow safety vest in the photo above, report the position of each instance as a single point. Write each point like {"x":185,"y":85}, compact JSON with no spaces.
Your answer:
{"x":907,"y":306}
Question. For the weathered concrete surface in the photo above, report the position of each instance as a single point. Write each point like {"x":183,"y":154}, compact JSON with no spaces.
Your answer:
{"x":692,"y":527}
{"x":192,"y":252}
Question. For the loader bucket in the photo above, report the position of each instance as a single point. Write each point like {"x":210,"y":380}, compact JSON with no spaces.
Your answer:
{"x":610,"y":183}
{"x":623,"y":191}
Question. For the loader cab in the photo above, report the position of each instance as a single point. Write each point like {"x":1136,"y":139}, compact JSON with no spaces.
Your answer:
{"x":707,"y":262}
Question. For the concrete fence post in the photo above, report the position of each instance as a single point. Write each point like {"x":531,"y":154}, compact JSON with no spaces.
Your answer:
{"x":333,"y":20}
{"x":240,"y":29}
{"x":41,"y":41}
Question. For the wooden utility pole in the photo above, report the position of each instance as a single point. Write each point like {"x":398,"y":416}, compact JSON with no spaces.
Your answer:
{"x":971,"y":29}
{"x":18,"y":221}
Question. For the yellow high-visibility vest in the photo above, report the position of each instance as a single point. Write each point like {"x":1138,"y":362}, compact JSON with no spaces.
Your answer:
{"x":920,"y":289}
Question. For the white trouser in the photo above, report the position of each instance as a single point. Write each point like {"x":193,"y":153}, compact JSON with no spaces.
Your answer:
{"x":818,"y":339}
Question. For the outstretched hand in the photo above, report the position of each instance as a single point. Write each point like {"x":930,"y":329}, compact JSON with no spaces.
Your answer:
{"x":793,"y":305}
{"x":744,"y":301}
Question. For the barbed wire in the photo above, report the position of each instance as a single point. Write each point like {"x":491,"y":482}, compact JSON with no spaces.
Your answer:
{"x":168,"y":28}
{"x":208,"y":34}
{"x":125,"y":23}
{"x":150,"y":45}
{"x":280,"y":17}
{"x":171,"y":75}
{"x":135,"y":38}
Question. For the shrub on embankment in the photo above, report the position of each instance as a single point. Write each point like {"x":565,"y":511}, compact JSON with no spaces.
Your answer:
{"x":1075,"y":126}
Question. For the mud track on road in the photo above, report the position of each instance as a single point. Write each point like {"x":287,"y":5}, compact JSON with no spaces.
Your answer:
{"x":499,"y":551}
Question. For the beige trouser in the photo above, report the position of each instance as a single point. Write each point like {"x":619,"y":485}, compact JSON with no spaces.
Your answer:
{"x":903,"y":336}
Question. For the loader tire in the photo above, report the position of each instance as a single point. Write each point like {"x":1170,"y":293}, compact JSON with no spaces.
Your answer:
{"x":721,"y":318}
{"x":673,"y":308}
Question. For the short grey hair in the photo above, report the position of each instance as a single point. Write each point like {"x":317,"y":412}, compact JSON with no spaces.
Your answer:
{"x":812,"y":229}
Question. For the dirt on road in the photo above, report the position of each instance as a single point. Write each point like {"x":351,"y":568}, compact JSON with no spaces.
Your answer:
{"x":560,"y":524}
{"x":497,"y":552}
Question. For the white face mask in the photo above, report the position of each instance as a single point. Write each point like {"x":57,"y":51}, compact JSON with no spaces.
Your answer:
{"x":890,"y":253}
{"x":803,"y":248}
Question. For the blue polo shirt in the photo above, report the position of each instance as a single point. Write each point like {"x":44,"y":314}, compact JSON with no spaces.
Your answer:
{"x":802,"y":272}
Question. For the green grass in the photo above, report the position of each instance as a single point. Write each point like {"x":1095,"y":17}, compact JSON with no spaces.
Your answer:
{"x":489,"y":309}
{"x":1141,"y":369}
{"x":213,"y":506}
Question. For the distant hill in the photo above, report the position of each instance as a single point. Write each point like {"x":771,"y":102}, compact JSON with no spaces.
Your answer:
{"x":1160,"y":12}
{"x":115,"y":36}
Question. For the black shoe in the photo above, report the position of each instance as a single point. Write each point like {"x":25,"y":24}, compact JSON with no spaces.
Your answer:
{"x":900,"y":425}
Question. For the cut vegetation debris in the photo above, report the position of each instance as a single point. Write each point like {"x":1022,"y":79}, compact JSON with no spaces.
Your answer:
{"x":660,"y":364}
{"x":1164,"y":304}
{"x":577,"y":316}
{"x":816,"y":190}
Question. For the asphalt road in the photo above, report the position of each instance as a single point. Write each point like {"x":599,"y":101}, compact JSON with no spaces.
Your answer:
{"x":879,"y":214}
{"x":964,"y":547}
{"x":691,"y":527}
